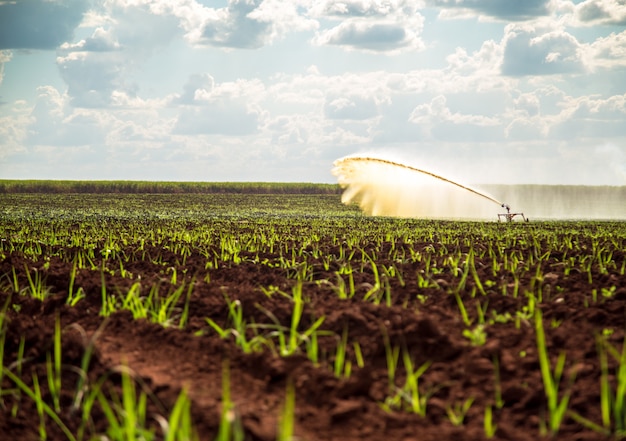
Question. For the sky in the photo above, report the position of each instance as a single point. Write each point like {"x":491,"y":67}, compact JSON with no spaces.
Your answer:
{"x":485,"y":91}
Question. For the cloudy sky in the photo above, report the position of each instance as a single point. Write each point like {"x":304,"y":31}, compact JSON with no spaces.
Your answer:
{"x":489,"y":91}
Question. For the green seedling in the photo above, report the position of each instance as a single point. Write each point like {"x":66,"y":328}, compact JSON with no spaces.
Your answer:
{"x":497,"y":388}
{"x":477,"y":336}
{"x":462,"y":309}
{"x":409,"y":397}
{"x":36,"y":286}
{"x":342,"y":367}
{"x":34,"y":394}
{"x":126,"y":415}
{"x":456,"y":412}
{"x":286,"y":426}
{"x":392,"y":355}
{"x":488,"y":424}
{"x":239,"y":327}
{"x":230,"y":424}
{"x":53,"y":365}
{"x":557,"y":406}
{"x":73,"y":297}
{"x":179,"y":426}
{"x":612,"y":393}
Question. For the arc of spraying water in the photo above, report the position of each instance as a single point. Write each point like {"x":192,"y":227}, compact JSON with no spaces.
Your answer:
{"x":397,"y":164}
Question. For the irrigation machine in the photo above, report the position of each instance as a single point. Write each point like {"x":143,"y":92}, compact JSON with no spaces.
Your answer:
{"x":508,"y":216}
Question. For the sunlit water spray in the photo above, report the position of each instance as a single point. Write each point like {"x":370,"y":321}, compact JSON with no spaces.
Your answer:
{"x":382,"y":187}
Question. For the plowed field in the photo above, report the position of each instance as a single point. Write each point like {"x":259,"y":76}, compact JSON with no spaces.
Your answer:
{"x":380,"y":329}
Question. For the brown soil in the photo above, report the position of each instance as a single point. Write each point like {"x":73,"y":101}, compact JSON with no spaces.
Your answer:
{"x":166,"y":360}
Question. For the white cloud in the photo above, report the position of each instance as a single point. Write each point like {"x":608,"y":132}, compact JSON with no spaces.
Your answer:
{"x":528,"y":104}
{"x":140,"y":132}
{"x":599,"y":12}
{"x":197,"y":85}
{"x":217,"y":118}
{"x":361,"y":8}
{"x":376,"y":37}
{"x":14,"y":129}
{"x":390,"y":27}
{"x":483,"y":63}
{"x":354,"y":107}
{"x":532,"y":51}
{"x":101,"y":41}
{"x":548,"y":113}
{"x":608,"y":52}
{"x":5,"y":57}
{"x":96,"y":67}
{"x":500,"y":9}
{"x":437,"y":111}
{"x":289,"y":129}
{"x":227,"y":108}
{"x":590,"y":117}
{"x":532,"y":113}
{"x":284,"y":17}
{"x":55,"y":123}
{"x":92,"y":77}
{"x":248,"y":24}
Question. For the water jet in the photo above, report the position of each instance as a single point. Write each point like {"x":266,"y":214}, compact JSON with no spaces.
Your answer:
{"x":383,"y":187}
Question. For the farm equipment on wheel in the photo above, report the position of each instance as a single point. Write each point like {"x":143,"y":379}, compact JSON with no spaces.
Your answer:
{"x":508,"y":216}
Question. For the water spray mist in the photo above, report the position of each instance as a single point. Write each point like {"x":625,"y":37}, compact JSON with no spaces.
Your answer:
{"x":382,"y":187}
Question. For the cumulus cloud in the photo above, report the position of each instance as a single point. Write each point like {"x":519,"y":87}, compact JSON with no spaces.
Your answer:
{"x":250,"y":24}
{"x":14,"y":129}
{"x":531,"y":114}
{"x":484,"y":62}
{"x":357,"y":8}
{"x":499,"y":9}
{"x":196,"y":85}
{"x":529,"y":51}
{"x":549,"y":113}
{"x":376,"y":37}
{"x":217,"y":118}
{"x":589,"y":117}
{"x":438,"y":111}
{"x":54,"y":123}
{"x":608,"y":52}
{"x":91,"y":78}
{"x":390,"y":27}
{"x":234,"y":28}
{"x":353,"y":107}
{"x":604,"y":12}
{"x":96,"y":67}
{"x":38,"y":24}
{"x":227,"y":108}
{"x":434,"y":120}
{"x":101,"y":41}
{"x":289,"y":129}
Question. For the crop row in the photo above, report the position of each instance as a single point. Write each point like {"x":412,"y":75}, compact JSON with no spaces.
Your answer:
{"x":151,"y":187}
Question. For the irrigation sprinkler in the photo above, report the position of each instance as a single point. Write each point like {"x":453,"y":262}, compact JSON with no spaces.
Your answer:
{"x":508,"y":216}
{"x":380,"y":187}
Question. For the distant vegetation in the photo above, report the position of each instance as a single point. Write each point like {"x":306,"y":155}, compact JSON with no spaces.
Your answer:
{"x":131,"y":187}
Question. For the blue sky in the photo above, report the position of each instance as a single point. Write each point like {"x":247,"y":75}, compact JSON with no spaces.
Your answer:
{"x":489,"y":91}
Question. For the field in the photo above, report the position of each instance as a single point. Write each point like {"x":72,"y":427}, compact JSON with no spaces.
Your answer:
{"x":264,"y":317}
